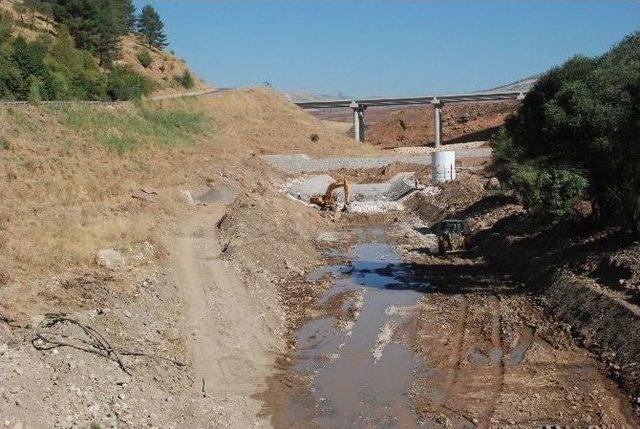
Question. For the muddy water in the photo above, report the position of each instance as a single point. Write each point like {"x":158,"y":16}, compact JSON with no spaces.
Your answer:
{"x":360,"y":377}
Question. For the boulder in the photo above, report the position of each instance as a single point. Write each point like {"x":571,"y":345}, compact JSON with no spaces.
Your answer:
{"x":110,"y":259}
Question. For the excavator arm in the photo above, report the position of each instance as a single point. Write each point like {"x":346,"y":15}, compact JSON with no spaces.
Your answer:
{"x":327,"y":200}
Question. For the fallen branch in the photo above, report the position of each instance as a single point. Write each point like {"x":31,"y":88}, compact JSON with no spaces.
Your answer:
{"x":97,"y":343}
{"x":49,"y":344}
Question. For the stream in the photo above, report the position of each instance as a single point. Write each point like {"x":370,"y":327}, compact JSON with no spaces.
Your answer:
{"x":360,"y":377}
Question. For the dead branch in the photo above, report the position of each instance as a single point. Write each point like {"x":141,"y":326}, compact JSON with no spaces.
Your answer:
{"x":96,"y":344}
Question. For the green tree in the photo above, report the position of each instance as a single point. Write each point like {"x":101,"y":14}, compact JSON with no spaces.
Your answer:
{"x":583,"y":114}
{"x":150,"y":27}
{"x":96,"y":25}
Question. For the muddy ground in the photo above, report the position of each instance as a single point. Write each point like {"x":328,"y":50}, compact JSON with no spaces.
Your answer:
{"x":461,"y":344}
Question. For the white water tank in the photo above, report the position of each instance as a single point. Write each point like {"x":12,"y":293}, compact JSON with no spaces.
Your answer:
{"x":443,"y":166}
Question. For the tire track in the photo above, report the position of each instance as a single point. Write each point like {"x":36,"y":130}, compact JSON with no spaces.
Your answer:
{"x":498,"y":344}
{"x":455,"y":356}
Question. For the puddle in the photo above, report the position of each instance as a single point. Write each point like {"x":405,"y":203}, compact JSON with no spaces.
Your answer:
{"x":361,"y":378}
{"x":524,"y":342}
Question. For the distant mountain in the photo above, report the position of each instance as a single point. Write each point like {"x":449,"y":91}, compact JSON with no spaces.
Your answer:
{"x":520,"y":85}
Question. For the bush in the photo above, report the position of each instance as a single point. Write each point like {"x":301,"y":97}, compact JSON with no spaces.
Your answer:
{"x":54,"y":69}
{"x":144,"y":57}
{"x":186,"y":80}
{"x":548,"y":190}
{"x":125,"y":84}
{"x":576,"y":135}
{"x":314,"y":137}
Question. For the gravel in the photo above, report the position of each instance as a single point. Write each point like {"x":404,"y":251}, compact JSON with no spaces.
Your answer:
{"x":298,"y":163}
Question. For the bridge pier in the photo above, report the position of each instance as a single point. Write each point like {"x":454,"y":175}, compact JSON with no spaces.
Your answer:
{"x":358,"y":120}
{"x":437,"y":118}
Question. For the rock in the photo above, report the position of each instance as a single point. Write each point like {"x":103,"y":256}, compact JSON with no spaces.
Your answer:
{"x":94,"y":410}
{"x":493,"y":183}
{"x":3,"y":348}
{"x":110,"y":259}
{"x":123,"y":380}
{"x":187,"y":197}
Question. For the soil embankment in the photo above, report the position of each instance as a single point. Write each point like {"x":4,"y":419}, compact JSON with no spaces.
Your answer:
{"x":584,"y":279}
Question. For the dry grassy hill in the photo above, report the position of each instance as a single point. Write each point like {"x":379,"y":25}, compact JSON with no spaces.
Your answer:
{"x":72,"y":176}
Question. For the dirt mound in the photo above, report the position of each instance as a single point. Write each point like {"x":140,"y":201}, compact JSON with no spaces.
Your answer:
{"x":462,"y":122}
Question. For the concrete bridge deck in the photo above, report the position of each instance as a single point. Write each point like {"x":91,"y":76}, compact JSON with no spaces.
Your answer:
{"x":360,"y":105}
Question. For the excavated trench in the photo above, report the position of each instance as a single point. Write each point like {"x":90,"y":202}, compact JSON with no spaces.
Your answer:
{"x":402,"y":339}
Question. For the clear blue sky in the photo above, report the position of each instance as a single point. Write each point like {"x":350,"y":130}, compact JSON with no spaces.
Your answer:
{"x":388,"y":48}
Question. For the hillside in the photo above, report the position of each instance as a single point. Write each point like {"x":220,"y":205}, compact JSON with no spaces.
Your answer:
{"x":163,"y":70}
{"x":164,"y":67}
{"x":77,"y":179}
{"x":463,"y":122}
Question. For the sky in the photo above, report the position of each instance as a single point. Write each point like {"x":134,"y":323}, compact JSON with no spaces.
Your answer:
{"x":376,"y":48}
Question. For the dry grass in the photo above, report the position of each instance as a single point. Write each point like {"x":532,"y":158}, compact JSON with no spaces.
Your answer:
{"x":164,"y":66}
{"x":69,"y":174}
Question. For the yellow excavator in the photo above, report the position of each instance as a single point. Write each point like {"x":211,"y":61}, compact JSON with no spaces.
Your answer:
{"x":328,"y":200}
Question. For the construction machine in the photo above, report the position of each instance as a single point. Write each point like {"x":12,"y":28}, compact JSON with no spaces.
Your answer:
{"x":452,"y":236}
{"x":328,"y":200}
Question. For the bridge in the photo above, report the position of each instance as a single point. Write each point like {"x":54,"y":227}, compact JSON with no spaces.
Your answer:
{"x":360,"y":105}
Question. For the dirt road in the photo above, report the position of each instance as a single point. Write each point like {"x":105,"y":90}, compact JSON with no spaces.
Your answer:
{"x":230,"y":346}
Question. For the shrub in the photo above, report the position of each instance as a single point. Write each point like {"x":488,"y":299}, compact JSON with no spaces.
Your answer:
{"x":314,"y":137}
{"x":186,"y":80}
{"x":49,"y":69}
{"x":548,"y":190}
{"x":584,"y":114}
{"x":6,"y":23}
{"x":144,"y":57}
{"x":125,"y":84}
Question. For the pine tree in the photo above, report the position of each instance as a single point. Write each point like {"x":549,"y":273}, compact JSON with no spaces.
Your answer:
{"x":150,"y":27}
{"x":96,"y":25}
